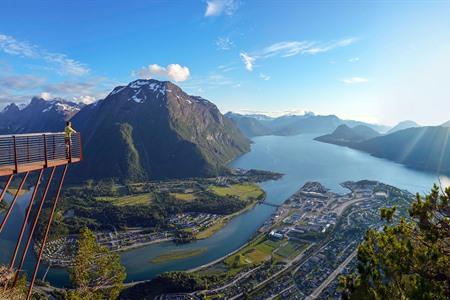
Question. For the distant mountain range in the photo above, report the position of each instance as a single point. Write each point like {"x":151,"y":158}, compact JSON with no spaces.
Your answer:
{"x":153,"y":129}
{"x":252,"y":125}
{"x":346,"y":136}
{"x":426,"y":148}
{"x":146,"y":130}
{"x":38,"y":116}
{"x":403,"y":125}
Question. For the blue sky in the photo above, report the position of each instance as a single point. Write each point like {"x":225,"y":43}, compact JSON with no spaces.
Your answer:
{"x":380,"y":62}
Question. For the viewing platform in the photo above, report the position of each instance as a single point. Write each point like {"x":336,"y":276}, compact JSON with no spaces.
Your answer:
{"x":25,"y":153}
{"x":30,"y":152}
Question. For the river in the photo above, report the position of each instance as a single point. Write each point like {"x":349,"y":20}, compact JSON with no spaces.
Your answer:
{"x":301,"y":159}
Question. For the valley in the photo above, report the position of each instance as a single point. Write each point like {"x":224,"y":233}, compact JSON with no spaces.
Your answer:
{"x":152,"y":212}
{"x":247,"y":234}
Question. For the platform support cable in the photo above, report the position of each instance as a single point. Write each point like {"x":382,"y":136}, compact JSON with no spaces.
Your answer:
{"x":47,"y":230}
{"x":25,"y":220}
{"x":13,"y":202}
{"x":33,"y":227}
{"x":5,"y":188}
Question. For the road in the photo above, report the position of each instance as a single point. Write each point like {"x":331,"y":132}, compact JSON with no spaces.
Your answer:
{"x":243,"y":275}
{"x":332,"y":276}
{"x":280,"y":293}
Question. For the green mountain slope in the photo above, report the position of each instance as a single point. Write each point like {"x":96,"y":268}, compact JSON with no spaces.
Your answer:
{"x":152,"y":129}
{"x":425,"y":148}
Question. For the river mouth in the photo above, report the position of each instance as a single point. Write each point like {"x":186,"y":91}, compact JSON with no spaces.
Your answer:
{"x":301,"y":159}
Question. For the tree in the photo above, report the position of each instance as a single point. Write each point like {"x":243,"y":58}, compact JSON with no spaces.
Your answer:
{"x":97,"y":272}
{"x":408,"y":260}
{"x":7,"y":290}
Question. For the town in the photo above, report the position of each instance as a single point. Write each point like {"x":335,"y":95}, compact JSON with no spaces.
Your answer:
{"x":302,"y":249}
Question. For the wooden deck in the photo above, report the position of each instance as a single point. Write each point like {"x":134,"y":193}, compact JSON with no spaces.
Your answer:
{"x":10,"y":170}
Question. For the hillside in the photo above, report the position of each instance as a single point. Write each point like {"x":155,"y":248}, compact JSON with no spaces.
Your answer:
{"x":152,"y":129}
{"x":425,"y":148}
{"x":346,"y":136}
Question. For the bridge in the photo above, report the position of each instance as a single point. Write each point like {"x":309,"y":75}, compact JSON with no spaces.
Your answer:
{"x":270,"y":204}
{"x":25,"y":155}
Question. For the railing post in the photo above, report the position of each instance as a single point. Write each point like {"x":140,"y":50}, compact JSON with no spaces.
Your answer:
{"x":70,"y":148}
{"x":45,"y":151}
{"x":28,"y":149}
{"x":80,"y":145}
{"x":15,"y":154}
{"x":54,"y":146}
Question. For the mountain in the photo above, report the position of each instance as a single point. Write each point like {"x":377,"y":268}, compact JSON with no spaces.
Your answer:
{"x":446,"y":124}
{"x":153,"y":129}
{"x":425,"y":148}
{"x":249,"y":125}
{"x":345,"y":136}
{"x":403,"y":125}
{"x":294,"y":124}
{"x":38,"y":116}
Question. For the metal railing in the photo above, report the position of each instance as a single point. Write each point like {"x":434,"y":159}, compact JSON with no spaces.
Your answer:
{"x":40,"y":149}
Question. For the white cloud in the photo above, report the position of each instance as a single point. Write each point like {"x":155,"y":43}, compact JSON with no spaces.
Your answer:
{"x":174,"y":72}
{"x":177,"y":72}
{"x":15,"y":82}
{"x":61,"y":63}
{"x":219,"y":7}
{"x":85,"y":99}
{"x":157,"y":70}
{"x":7,"y":98}
{"x":264,"y":76}
{"x":354,"y":80}
{"x":212,"y":81}
{"x":292,"y":48}
{"x":286,"y":49}
{"x":84,"y":92}
{"x":45,"y":96}
{"x":229,"y":67}
{"x":353,"y":59}
{"x":224,"y":43}
{"x":248,"y":60}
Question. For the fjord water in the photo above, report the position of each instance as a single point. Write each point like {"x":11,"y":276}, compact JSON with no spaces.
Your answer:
{"x":301,"y":159}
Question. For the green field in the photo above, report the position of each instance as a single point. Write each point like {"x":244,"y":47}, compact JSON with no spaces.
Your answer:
{"x":176,"y":255}
{"x":290,"y":249}
{"x":244,"y":191}
{"x":183,"y":197}
{"x":139,"y":199}
{"x":254,"y":254}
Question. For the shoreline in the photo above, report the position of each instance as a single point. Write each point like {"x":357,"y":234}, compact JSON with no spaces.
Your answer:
{"x":140,"y":245}
{"x":226,"y":219}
